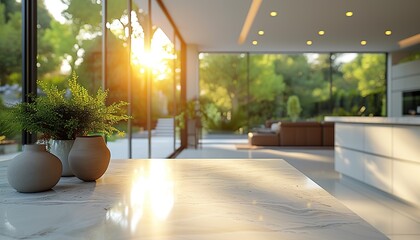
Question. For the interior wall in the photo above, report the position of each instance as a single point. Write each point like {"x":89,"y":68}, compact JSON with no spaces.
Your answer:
{"x":193,"y":89}
{"x":404,"y":77}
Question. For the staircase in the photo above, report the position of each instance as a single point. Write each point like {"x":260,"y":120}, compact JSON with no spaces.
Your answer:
{"x":164,"y":127}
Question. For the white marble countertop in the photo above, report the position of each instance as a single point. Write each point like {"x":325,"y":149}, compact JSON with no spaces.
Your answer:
{"x":182,"y":199}
{"x":376,"y":120}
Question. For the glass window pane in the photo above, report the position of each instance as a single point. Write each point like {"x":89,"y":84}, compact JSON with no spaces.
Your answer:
{"x":275,"y":78}
{"x":117,"y":68}
{"x":266,"y":90}
{"x":10,"y":75}
{"x":224,"y":92}
{"x":359,"y":84}
{"x":140,"y":21}
{"x":177,"y":105}
{"x":161,"y":58}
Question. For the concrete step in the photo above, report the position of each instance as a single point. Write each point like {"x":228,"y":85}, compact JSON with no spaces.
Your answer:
{"x":164,"y":127}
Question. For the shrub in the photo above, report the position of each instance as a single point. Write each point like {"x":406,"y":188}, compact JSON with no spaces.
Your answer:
{"x":293,"y":107}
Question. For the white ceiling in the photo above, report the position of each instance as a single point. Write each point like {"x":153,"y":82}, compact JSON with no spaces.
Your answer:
{"x":215,"y":25}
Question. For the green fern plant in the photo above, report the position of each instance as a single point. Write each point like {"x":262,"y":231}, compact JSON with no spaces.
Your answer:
{"x":58,"y":116}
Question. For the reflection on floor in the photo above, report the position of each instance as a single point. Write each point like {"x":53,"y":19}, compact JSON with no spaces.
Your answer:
{"x":392,"y":217}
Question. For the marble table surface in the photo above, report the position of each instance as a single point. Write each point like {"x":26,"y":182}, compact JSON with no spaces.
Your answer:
{"x":182,"y":199}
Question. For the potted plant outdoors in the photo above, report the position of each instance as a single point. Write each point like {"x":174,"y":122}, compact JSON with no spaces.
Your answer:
{"x":63,"y":115}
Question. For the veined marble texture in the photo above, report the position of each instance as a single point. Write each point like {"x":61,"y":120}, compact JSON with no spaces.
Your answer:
{"x":182,"y":199}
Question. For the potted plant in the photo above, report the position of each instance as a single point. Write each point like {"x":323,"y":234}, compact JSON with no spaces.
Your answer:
{"x":63,"y":115}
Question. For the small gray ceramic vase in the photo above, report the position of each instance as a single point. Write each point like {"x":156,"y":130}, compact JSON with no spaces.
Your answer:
{"x":34,"y":170}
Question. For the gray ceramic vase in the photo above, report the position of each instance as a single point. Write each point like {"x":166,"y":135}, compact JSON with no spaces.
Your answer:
{"x":61,"y":149}
{"x":34,"y":170}
{"x":89,"y":157}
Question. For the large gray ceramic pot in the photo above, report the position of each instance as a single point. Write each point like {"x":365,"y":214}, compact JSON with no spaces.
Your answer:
{"x":34,"y":170}
{"x":89,"y":157}
{"x":61,"y":149}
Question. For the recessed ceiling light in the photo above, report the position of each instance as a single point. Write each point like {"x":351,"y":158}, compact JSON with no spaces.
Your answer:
{"x":261,"y":32}
{"x":255,"y":42}
{"x":309,"y":42}
{"x":273,"y":13}
{"x":363,"y":42}
{"x":388,"y":32}
{"x":321,"y":33}
{"x":349,"y":14}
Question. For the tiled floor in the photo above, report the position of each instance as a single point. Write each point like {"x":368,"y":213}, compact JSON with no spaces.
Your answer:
{"x":392,"y":217}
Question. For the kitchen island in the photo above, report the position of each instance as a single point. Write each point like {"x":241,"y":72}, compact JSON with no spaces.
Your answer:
{"x":383,"y":152}
{"x":182,"y":199}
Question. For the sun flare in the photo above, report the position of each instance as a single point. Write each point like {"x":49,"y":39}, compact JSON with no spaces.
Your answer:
{"x":157,"y":59}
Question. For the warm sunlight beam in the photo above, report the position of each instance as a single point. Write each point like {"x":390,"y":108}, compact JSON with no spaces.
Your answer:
{"x":410,"y":41}
{"x":152,"y":196}
{"x":154,"y":191}
{"x":253,"y":10}
{"x":158,"y":59}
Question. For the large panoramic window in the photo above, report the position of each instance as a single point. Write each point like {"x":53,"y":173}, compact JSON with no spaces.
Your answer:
{"x":243,"y":91}
{"x":142,"y":65}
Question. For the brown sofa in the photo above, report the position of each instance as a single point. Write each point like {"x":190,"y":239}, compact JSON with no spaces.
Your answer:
{"x":300,"y":134}
{"x":295,"y":134}
{"x":328,"y":134}
{"x":264,"y":139}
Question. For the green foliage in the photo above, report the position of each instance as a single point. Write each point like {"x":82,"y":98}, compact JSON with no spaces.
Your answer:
{"x":225,"y":84}
{"x":265,"y":84}
{"x":194,"y":109}
{"x":225,"y":77}
{"x":58,"y":116}
{"x":9,"y":6}
{"x":306,"y":76}
{"x":293,"y":107}
{"x":48,"y":60}
{"x":8,"y":128}
{"x":230,"y":121}
{"x":262,"y":111}
{"x":10,"y":47}
{"x":368,"y":71}
{"x":82,"y":12}
{"x":413,"y":56}
{"x":61,"y":41}
{"x":359,"y":83}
